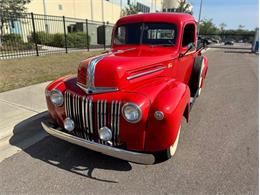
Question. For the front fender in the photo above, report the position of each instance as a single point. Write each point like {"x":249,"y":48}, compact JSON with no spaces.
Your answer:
{"x":172,"y":100}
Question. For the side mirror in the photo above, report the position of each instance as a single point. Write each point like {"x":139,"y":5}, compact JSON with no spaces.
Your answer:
{"x":190,"y":47}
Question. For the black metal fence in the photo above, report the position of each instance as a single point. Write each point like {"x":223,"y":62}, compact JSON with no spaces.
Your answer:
{"x":34,"y":34}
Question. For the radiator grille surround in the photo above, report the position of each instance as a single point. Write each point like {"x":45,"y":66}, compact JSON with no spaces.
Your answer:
{"x":89,"y":116}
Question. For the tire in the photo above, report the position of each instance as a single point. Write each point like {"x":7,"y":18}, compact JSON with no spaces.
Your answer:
{"x":169,"y":152}
{"x":196,"y":76}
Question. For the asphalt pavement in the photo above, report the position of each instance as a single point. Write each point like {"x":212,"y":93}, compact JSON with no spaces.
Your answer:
{"x":217,"y":151}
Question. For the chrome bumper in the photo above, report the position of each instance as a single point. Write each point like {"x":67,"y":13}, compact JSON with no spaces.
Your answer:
{"x":137,"y":157}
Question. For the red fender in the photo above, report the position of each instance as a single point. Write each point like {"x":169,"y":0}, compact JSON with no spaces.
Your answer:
{"x":172,"y":100}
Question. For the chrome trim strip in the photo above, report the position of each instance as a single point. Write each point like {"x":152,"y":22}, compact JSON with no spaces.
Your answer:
{"x":137,"y":157}
{"x":91,"y":70}
{"x":91,"y":90}
{"x":145,"y":73}
{"x":93,"y":63}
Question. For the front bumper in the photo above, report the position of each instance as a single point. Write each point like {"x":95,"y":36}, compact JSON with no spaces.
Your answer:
{"x":137,"y":157}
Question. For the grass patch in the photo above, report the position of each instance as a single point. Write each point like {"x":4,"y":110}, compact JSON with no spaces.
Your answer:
{"x":21,"y":72}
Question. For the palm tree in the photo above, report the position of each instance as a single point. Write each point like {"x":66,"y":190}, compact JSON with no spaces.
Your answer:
{"x":184,"y":7}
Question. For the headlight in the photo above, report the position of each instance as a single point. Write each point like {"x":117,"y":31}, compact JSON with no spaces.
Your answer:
{"x":131,"y":113}
{"x":56,"y":97}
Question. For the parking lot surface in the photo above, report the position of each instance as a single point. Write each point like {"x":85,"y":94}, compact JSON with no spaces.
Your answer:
{"x":217,"y":151}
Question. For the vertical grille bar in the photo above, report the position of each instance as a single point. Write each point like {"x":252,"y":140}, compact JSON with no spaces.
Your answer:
{"x":98,"y":113}
{"x":83,"y":113}
{"x":101,"y":113}
{"x":65,"y":103}
{"x":118,"y":121}
{"x":86,"y":117}
{"x":111,"y":120}
{"x":115,"y":121}
{"x":105,"y":113}
{"x":83,"y":109}
{"x":69,"y":105}
{"x":90,"y":116}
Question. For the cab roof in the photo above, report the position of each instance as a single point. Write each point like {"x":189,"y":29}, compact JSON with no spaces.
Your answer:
{"x":177,"y":18}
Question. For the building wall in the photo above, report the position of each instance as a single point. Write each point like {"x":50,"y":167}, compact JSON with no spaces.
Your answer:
{"x":78,"y":9}
{"x":170,"y":4}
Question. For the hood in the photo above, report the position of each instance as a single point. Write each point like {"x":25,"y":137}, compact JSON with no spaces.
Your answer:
{"x":117,"y":69}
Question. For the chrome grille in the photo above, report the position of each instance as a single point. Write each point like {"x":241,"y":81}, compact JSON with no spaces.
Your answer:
{"x":91,"y":115}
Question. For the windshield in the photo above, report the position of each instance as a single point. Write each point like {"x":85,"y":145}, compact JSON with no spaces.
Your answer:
{"x":146,"y":33}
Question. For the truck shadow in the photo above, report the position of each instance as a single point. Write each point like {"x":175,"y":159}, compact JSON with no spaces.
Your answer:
{"x":60,"y":153}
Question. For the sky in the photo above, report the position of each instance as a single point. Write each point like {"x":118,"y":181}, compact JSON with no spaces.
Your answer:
{"x":232,"y":12}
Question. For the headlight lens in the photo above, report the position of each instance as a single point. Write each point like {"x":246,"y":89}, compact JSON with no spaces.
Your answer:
{"x":131,"y":112}
{"x":56,"y":97}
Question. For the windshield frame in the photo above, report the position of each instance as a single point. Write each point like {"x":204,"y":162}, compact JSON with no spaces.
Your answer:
{"x":142,"y":30}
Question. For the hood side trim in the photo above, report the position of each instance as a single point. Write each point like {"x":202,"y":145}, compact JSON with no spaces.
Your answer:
{"x":145,"y":73}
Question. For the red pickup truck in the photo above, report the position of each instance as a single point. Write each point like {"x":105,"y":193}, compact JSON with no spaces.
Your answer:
{"x":129,"y":101}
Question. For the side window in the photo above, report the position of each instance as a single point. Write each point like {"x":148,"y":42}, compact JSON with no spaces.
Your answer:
{"x":120,"y":35}
{"x":188,"y":35}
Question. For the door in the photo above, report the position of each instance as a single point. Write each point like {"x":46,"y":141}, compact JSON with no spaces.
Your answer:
{"x":184,"y":63}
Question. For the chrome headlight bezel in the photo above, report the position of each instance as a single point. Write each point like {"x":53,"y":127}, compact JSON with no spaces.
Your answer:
{"x":58,"y":94}
{"x":137,"y":109}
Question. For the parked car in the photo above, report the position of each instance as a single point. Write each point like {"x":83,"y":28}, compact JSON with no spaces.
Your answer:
{"x":129,"y":102}
{"x":229,"y":43}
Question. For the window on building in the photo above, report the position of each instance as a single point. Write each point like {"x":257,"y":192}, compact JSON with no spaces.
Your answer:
{"x":188,"y":35}
{"x":60,"y":7}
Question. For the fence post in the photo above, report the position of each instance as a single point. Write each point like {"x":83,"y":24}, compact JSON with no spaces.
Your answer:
{"x":88,"y":41}
{"x":34,"y":35}
{"x":104,"y":24}
{"x":65,"y":35}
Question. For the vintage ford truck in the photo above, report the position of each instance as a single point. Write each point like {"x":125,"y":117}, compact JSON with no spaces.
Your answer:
{"x":129,"y":101}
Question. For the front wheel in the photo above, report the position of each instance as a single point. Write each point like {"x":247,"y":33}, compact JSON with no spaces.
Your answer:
{"x":169,"y":152}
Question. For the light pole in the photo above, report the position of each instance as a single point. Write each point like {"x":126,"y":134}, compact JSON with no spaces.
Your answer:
{"x":199,"y":16}
{"x":91,"y":9}
{"x":45,"y":16}
{"x":102,"y":7}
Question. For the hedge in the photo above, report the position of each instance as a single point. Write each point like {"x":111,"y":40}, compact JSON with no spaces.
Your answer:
{"x":13,"y":42}
{"x":74,"y":40}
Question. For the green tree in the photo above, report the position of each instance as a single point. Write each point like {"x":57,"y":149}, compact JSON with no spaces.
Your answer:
{"x":131,"y":9}
{"x":184,"y":7}
{"x":10,"y":9}
{"x":208,"y":27}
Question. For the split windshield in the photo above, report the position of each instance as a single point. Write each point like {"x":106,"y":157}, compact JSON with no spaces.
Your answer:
{"x":146,"y":33}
